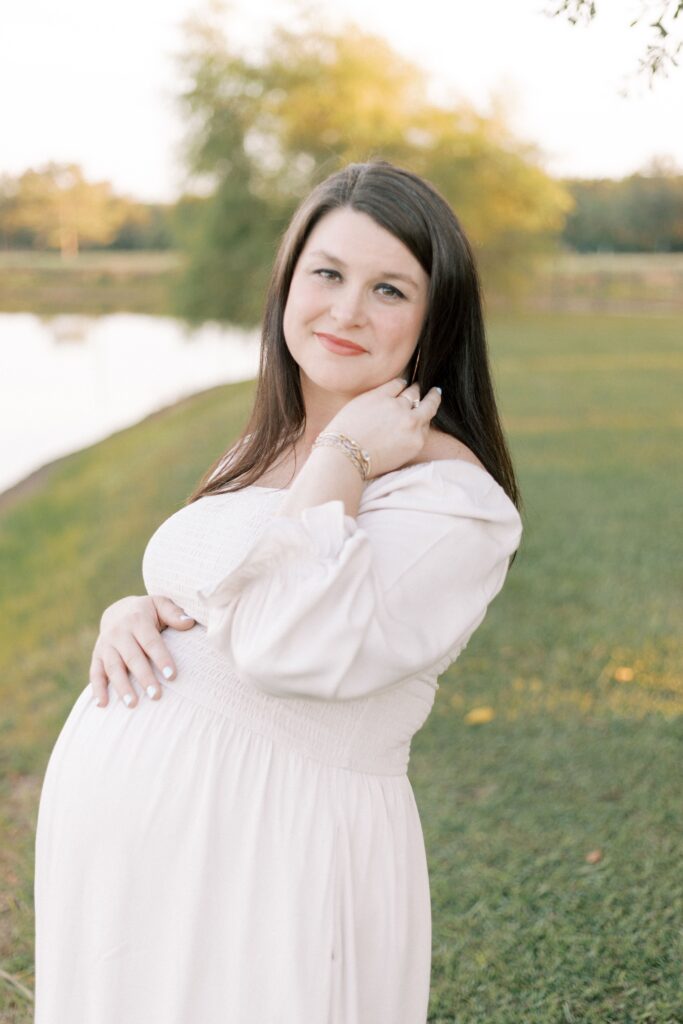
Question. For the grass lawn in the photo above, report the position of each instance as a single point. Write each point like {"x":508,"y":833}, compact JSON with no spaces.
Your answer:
{"x":94,"y":282}
{"x":604,"y":282}
{"x":554,"y":827}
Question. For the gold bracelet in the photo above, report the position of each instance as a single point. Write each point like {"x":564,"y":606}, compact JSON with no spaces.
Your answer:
{"x":359,"y":456}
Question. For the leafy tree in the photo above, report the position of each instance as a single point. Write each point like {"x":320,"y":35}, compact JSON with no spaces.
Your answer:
{"x":11,"y":234}
{"x":263,"y":130}
{"x":146,"y":226}
{"x":28,"y":216}
{"x":666,"y":40}
{"x":640,"y":213}
{"x":60,"y":209}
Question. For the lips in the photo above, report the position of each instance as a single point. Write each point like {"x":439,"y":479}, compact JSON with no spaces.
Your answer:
{"x":339,"y":343}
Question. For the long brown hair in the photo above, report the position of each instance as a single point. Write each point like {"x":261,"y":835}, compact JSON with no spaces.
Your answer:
{"x":451,"y":350}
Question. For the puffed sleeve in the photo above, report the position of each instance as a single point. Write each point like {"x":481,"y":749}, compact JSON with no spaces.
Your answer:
{"x":326,"y":606}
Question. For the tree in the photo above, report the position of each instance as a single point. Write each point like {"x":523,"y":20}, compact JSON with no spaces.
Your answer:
{"x":263,"y":130}
{"x":61,"y":209}
{"x":666,"y":41}
{"x":640,"y":213}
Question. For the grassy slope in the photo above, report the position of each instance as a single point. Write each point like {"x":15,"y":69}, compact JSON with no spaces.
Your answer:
{"x":578,"y":757}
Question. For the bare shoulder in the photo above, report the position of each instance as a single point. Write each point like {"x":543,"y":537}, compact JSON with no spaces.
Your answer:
{"x":443,"y":446}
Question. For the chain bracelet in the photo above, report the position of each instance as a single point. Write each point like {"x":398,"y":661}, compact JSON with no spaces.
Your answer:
{"x":359,"y":456}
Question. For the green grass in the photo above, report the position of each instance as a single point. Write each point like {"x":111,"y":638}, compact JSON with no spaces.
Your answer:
{"x":554,"y":830}
{"x":94,"y":282}
{"x":628,"y":282}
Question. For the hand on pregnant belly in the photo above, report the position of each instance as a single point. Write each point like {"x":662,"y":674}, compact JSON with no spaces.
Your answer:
{"x":130,"y":641}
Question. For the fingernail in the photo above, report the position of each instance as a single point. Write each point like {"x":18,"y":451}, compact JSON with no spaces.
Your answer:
{"x":183,"y":617}
{"x":167,"y":672}
{"x":403,"y":381}
{"x":96,"y":701}
{"x":127,"y":700}
{"x":438,"y":389}
{"x":151,"y":691}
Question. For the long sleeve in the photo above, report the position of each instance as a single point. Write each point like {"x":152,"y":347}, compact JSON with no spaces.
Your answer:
{"x":324,"y":605}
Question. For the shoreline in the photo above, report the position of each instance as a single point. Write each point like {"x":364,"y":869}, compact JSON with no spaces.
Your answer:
{"x":29,"y":484}
{"x":36,"y":478}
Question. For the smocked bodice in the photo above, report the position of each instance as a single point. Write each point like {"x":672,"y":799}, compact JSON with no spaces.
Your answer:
{"x":295,"y":615}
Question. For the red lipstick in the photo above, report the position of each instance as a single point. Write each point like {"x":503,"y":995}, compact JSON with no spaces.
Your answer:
{"x":339,"y":345}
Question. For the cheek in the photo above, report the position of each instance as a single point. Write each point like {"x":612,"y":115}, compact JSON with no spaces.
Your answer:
{"x":292,"y":313}
{"x":288,"y":319}
{"x":401,"y":328}
{"x":302,"y":304}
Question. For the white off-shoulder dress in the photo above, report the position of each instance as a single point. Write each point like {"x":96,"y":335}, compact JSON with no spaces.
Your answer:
{"x":247,"y":849}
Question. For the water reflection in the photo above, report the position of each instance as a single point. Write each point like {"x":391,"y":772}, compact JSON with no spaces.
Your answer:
{"x":69,"y":327}
{"x":70,"y":380}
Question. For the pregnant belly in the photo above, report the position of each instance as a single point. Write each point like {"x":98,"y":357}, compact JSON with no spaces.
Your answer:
{"x":168,"y":831}
{"x":113,"y":763}
{"x":201,"y":671}
{"x":122,"y":782}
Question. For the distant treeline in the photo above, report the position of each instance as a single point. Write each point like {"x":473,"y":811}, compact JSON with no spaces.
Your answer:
{"x":640,"y":213}
{"x":54,"y":207}
{"x":264,"y":128}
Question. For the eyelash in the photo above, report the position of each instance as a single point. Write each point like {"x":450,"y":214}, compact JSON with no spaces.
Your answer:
{"x":395,"y":292}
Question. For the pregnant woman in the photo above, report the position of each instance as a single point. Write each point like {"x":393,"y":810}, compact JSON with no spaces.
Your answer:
{"x":226,"y":832}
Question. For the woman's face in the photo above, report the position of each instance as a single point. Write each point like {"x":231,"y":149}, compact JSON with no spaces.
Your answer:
{"x":356,"y":282}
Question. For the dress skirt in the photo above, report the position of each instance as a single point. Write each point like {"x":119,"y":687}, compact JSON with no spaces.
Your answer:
{"x":189,"y":869}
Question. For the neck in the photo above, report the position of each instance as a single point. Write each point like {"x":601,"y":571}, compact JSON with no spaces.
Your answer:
{"x":321,"y":407}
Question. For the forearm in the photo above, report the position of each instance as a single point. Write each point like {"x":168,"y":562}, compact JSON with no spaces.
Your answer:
{"x":328,"y":474}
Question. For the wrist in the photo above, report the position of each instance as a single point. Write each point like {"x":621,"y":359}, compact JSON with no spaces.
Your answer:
{"x":328,"y":474}
{"x":333,"y":462}
{"x":349,"y":447}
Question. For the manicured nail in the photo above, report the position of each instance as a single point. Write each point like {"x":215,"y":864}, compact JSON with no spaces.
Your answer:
{"x":403,"y":381}
{"x":438,"y":389}
{"x":151,"y":691}
{"x":185,"y":617}
{"x":167,"y":672}
{"x":127,"y":699}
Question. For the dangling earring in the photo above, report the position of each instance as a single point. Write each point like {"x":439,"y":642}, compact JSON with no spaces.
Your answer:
{"x":412,"y":379}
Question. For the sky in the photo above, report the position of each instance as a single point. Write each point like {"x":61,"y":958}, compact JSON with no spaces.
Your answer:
{"x":95,"y":83}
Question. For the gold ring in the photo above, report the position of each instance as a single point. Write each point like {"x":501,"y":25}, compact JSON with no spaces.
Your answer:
{"x":414,"y":402}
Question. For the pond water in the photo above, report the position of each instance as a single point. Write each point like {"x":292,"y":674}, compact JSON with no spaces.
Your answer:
{"x":69,"y":381}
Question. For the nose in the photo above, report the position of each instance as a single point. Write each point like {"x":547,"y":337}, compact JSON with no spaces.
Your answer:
{"x":348,"y":308}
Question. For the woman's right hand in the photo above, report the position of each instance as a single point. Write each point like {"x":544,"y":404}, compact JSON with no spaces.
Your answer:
{"x":130,"y":641}
{"x":384,"y":421}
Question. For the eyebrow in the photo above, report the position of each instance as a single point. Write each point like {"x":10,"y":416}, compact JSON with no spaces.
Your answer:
{"x":385,"y":273}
